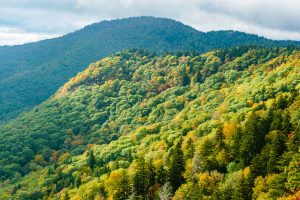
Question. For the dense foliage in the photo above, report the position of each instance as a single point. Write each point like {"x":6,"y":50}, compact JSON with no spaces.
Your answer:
{"x":219,"y":125}
{"x":30,"y":73}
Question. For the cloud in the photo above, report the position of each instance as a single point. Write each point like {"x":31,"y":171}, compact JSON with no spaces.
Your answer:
{"x":11,"y":36}
{"x":268,"y":13}
{"x":31,"y":20}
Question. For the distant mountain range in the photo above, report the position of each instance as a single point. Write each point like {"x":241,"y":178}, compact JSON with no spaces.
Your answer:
{"x":30,"y":73}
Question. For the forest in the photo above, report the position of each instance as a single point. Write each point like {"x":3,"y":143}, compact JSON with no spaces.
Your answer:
{"x":183,"y":125}
{"x":31,"y":73}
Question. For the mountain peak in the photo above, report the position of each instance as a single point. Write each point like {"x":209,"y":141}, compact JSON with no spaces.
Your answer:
{"x":31,"y":73}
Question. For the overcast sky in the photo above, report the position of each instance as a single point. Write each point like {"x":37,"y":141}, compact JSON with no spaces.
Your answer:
{"x":23,"y":21}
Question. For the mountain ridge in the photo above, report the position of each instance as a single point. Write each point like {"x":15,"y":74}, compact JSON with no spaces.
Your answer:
{"x":229,"y":117}
{"x":150,"y":17}
{"x":30,"y":73}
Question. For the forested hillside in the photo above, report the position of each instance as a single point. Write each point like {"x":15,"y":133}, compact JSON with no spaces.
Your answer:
{"x":134,"y":125}
{"x":31,"y":73}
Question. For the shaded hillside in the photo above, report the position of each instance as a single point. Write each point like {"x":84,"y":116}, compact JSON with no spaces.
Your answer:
{"x":31,"y":73}
{"x":219,"y":125}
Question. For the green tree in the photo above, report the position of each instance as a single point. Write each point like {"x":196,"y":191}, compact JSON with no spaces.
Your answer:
{"x":77,"y":181}
{"x":293,"y":173}
{"x":252,"y":138}
{"x":190,"y":149}
{"x":161,"y":175}
{"x":185,"y":80}
{"x":91,"y":161}
{"x":142,"y":179}
{"x":176,"y":166}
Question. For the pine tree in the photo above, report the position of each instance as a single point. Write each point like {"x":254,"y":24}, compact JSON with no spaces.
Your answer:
{"x":161,"y":175}
{"x":124,"y":189}
{"x":252,"y":139}
{"x":293,"y":173}
{"x":152,"y":173}
{"x":185,"y":80}
{"x":141,"y":179}
{"x":286,"y":125}
{"x":276,"y":122}
{"x":176,"y":167}
{"x":294,"y":142}
{"x":91,"y":161}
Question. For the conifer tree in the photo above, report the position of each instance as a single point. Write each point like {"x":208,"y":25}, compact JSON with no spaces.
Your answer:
{"x":152,"y":173}
{"x":91,"y":161}
{"x":176,"y":167}
{"x":141,"y":179}
{"x":252,"y":138}
{"x":161,"y":175}
{"x":185,"y":80}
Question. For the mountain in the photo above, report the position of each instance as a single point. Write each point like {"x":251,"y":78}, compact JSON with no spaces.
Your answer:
{"x":218,"y":125}
{"x":31,"y":73}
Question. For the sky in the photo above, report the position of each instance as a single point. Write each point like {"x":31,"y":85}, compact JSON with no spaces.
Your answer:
{"x":23,"y":21}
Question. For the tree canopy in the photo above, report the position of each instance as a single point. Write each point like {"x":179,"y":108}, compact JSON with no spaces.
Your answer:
{"x":134,"y":125}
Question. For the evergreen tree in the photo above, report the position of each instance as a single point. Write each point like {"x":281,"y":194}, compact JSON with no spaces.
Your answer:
{"x":152,"y":174}
{"x":185,"y":80}
{"x":293,"y":173}
{"x":252,"y":138}
{"x":294,"y":142}
{"x":91,"y":161}
{"x":161,"y":175}
{"x":141,"y":179}
{"x":176,"y":167}
{"x":276,"y":123}
{"x":286,"y":125}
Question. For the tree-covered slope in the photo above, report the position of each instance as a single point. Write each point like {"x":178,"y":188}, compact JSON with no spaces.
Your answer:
{"x":30,"y":73}
{"x":219,"y":125}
